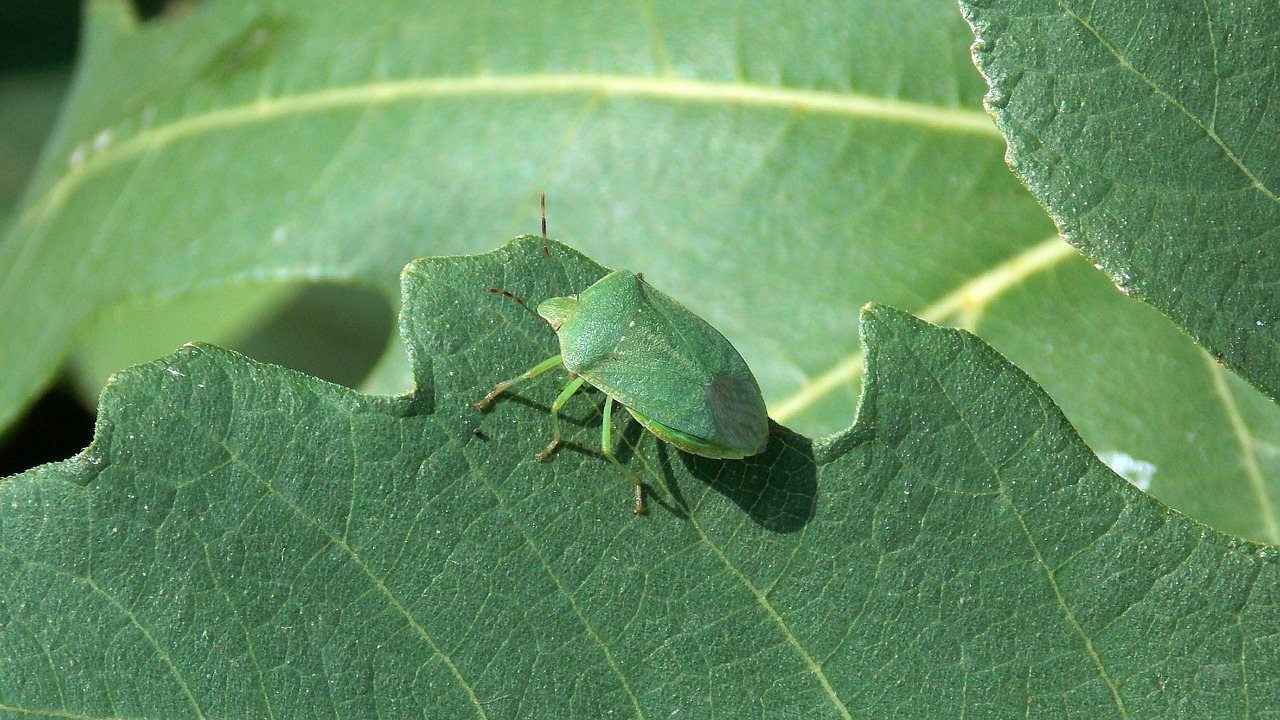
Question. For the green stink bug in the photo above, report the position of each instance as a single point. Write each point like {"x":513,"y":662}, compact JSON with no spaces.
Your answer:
{"x":677,"y":375}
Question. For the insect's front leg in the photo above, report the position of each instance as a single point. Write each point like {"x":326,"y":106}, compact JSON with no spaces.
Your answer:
{"x":573,"y":387}
{"x":551,"y":362}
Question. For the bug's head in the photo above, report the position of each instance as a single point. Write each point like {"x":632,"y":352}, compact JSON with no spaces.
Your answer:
{"x":558,"y":309}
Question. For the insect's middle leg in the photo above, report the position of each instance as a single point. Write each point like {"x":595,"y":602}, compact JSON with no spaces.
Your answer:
{"x":567,"y":393}
{"x":606,"y":448}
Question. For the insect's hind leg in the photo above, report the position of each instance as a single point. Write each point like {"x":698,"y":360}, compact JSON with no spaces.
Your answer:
{"x":606,"y":448}
{"x":567,"y":393}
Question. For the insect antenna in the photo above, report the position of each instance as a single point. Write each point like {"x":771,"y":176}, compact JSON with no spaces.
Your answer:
{"x":546,"y":254}
{"x":546,"y":248}
{"x":517,"y":298}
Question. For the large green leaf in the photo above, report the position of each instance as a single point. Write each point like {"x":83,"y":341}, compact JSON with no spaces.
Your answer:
{"x":1148,"y":131}
{"x":773,"y":165}
{"x":302,"y":142}
{"x":28,"y":105}
{"x":241,"y":540}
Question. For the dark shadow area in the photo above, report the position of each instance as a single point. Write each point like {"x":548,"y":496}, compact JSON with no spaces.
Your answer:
{"x":55,"y":428}
{"x":148,"y":9}
{"x":630,"y":436}
{"x":46,"y":33}
{"x":677,"y":505}
{"x":567,"y":420}
{"x":334,"y":332}
{"x":38,"y":34}
{"x":778,"y":488}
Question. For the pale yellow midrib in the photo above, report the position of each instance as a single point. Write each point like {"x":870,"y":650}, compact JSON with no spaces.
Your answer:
{"x":761,"y":598}
{"x":814,"y":667}
{"x":955,"y":120}
{"x":969,"y":298}
{"x":1253,"y":474}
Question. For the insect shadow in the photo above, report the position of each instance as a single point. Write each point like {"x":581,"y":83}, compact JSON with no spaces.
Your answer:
{"x":582,"y":418}
{"x":778,"y":488}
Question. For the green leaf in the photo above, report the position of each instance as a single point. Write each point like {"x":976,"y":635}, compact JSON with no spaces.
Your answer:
{"x":304,"y":143}
{"x":1147,"y":133}
{"x":28,"y":106}
{"x":773,"y":168}
{"x":242,"y":540}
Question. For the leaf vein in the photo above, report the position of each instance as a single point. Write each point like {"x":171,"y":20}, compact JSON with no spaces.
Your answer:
{"x":814,"y":667}
{"x":1209,"y":131}
{"x":378,"y":582}
{"x":970,"y":297}
{"x":1049,"y":573}
{"x":674,"y":90}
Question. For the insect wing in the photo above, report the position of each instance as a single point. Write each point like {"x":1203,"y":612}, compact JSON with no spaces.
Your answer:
{"x":663,"y":362}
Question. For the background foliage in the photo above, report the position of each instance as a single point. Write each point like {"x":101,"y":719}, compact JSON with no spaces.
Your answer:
{"x":256,"y":173}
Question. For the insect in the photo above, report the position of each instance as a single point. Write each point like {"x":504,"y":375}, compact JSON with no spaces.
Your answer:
{"x":677,"y":375}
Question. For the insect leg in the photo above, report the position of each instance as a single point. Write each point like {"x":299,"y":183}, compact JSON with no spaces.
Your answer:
{"x":533,"y":372}
{"x":567,"y":393}
{"x":606,"y":448}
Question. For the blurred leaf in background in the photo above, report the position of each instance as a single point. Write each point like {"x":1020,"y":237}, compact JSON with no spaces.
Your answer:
{"x":31,"y":100}
{"x":773,"y":169}
{"x":257,"y":174}
{"x":37,"y":45}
